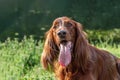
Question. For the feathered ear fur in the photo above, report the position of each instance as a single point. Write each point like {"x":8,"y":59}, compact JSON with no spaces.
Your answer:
{"x":49,"y":51}
{"x":81,"y":49}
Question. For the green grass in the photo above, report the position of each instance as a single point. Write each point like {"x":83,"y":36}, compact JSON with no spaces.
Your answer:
{"x":21,"y":60}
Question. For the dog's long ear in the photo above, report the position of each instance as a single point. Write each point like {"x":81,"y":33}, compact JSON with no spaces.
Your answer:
{"x":81,"y":49}
{"x":49,"y":51}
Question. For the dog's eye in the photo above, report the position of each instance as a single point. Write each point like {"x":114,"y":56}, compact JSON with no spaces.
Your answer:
{"x":68,"y":24}
{"x":55,"y":26}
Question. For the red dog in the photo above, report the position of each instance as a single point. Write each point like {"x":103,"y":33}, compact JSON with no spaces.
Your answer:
{"x":71,"y":57}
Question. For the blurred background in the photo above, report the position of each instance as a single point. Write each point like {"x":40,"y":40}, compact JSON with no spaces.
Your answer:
{"x":34,"y":17}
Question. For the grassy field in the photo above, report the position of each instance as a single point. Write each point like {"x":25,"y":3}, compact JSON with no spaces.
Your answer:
{"x":21,"y":60}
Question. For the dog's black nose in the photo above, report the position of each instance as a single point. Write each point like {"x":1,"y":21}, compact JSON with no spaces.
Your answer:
{"x":61,"y":33}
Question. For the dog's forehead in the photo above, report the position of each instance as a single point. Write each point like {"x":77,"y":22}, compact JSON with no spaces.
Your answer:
{"x":61,"y":20}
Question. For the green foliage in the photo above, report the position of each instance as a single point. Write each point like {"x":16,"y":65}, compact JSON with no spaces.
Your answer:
{"x":111,"y":35}
{"x":21,"y":60}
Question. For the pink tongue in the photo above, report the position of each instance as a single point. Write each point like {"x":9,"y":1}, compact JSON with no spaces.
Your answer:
{"x":65,"y":55}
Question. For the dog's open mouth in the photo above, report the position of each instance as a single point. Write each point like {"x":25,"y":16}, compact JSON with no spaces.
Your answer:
{"x":63,"y":42}
{"x":65,"y":53}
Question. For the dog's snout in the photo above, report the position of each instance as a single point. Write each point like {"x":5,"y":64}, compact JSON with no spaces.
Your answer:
{"x":61,"y":33}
